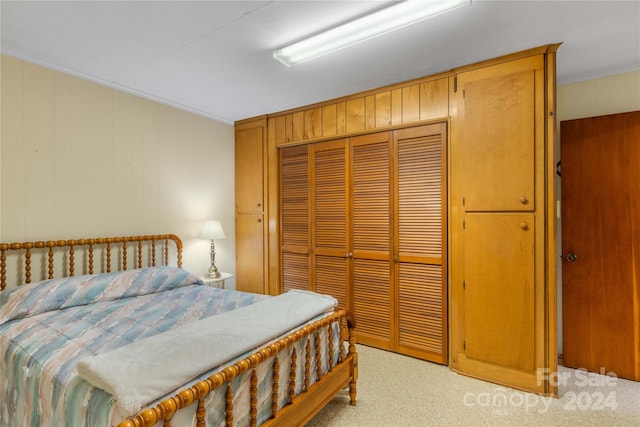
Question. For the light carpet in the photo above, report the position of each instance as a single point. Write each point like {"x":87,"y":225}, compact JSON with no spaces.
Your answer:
{"x":396,"y":390}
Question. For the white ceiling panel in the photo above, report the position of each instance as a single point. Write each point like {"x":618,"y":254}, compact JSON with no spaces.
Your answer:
{"x":214,"y":58}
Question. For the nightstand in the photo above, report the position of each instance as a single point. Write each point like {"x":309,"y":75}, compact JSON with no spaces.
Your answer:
{"x":217,"y":282}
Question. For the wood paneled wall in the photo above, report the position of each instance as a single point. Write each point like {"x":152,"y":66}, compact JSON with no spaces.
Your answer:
{"x":417,"y":101}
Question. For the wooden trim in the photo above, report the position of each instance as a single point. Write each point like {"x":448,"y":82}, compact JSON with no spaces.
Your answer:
{"x":500,"y":375}
{"x":551,"y":327}
{"x":390,"y":128}
{"x":371,"y":92}
{"x":540,"y":50}
{"x":252,"y":122}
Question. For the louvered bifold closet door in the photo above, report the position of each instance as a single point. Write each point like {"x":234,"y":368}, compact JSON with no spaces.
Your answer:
{"x":294,"y":220}
{"x":329,"y":227}
{"x":371,"y":230}
{"x":421,"y":218}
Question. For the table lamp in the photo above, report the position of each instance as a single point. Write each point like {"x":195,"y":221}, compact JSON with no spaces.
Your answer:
{"x":212,"y":230}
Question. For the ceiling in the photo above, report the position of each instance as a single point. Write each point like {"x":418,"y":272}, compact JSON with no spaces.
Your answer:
{"x":214,"y":58}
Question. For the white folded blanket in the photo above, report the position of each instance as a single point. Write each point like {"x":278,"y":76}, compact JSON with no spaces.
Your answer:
{"x":144,"y":371}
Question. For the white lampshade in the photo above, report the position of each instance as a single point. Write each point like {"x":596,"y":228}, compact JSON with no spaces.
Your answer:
{"x":212,"y":230}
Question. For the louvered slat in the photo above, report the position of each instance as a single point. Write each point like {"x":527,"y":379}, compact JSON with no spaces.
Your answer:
{"x":294,"y":211}
{"x":295,"y":271}
{"x":420,"y":307}
{"x":370,"y":186}
{"x":330,"y":220}
{"x":331,"y":278}
{"x":330,"y":199}
{"x":371,"y":299}
{"x":421,"y":298}
{"x":371,"y":197}
{"x":295,"y":194}
{"x":420,"y":196}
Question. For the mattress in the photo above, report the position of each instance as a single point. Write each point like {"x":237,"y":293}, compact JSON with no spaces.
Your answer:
{"x":47,"y":328}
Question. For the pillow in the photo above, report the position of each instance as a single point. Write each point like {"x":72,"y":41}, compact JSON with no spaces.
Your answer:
{"x":54,"y":294}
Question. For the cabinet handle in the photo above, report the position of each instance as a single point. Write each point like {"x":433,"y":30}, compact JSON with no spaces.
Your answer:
{"x":259,"y":204}
{"x":524,"y":200}
{"x":395,"y":258}
{"x":524,"y":226}
{"x":259,"y":219}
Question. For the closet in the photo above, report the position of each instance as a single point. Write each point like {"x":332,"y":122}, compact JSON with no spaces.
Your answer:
{"x":427,"y":208}
{"x":499,"y":223}
{"x":363,"y":219}
{"x":250,"y":213}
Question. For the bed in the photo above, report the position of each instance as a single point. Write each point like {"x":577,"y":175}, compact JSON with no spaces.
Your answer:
{"x":113,"y":332}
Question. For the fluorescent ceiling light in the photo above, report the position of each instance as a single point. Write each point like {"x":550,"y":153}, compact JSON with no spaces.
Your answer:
{"x":382,"y":21}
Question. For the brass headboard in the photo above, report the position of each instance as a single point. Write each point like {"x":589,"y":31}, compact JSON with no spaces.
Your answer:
{"x":66,"y":252}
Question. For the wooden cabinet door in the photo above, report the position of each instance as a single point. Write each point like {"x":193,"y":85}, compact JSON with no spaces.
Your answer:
{"x":420,"y":246}
{"x":498,"y":138}
{"x":294,"y":218}
{"x":371,"y":223}
{"x":499,"y":290}
{"x":249,"y":170}
{"x":249,"y":193}
{"x":500,"y":328}
{"x":250,"y":253}
{"x":330,"y":213}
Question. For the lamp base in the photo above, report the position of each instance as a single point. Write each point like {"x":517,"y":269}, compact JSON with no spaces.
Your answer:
{"x":212,"y":273}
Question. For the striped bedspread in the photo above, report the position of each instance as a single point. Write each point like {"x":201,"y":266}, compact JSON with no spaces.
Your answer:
{"x":47,"y":327}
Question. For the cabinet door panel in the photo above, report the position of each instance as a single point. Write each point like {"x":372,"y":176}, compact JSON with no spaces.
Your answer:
{"x":295,"y":271}
{"x":250,"y":250}
{"x":498,"y":155}
{"x":249,"y":170}
{"x":420,"y":313}
{"x":370,"y":192}
{"x":499,"y":290}
{"x":331,"y":278}
{"x":421,"y":213}
{"x":371,"y":171}
{"x":330,"y":198}
{"x":294,"y":217}
{"x":330,"y":219}
{"x":372,"y":302}
{"x":420,"y":193}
